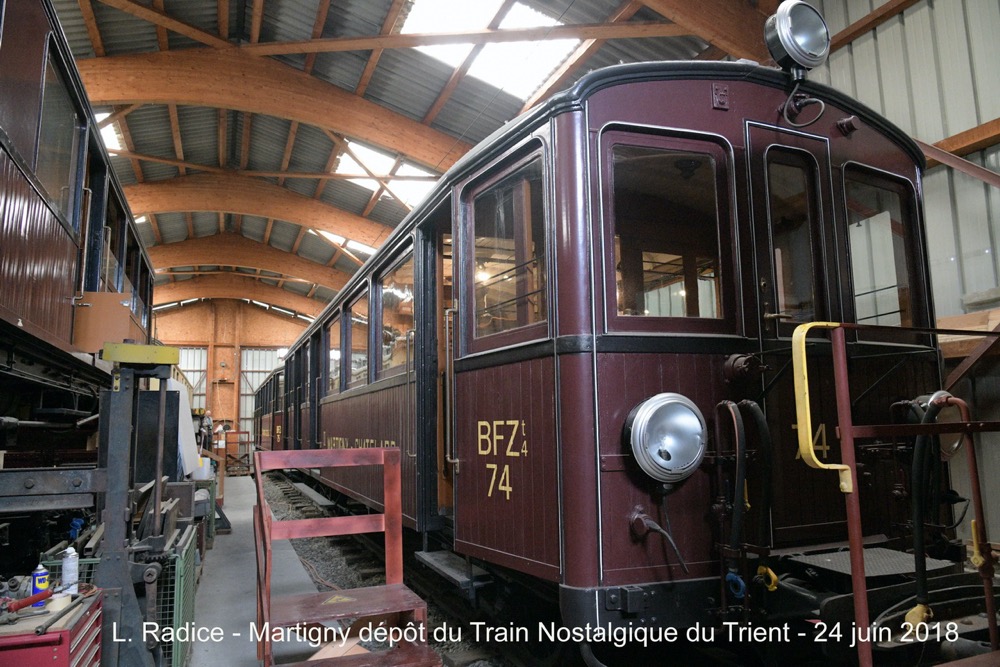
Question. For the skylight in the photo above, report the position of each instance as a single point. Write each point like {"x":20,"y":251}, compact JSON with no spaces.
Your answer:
{"x":518,"y":68}
{"x":381,"y":164}
{"x":108,"y":133}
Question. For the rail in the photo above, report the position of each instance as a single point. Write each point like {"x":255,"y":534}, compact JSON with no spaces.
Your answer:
{"x":847,"y":469}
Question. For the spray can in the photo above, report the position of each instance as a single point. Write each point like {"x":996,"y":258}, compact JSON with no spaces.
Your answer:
{"x":39,"y":582}
{"x":70,"y":571}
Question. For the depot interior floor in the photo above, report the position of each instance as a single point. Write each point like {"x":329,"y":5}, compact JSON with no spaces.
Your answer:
{"x":226,"y":597}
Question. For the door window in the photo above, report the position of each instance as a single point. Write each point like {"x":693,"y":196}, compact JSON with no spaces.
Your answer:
{"x":506,"y":266}
{"x":878,"y":229}
{"x":791,"y":208}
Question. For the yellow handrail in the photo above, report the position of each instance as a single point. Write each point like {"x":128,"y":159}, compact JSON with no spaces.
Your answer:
{"x":802,"y":411}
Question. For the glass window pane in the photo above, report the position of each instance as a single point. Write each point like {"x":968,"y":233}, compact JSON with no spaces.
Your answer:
{"x":359,"y":343}
{"x":789,"y":198}
{"x":666,"y":233}
{"x":509,"y":271}
{"x":333,"y":350}
{"x":877,"y":235}
{"x":397,"y":317}
{"x":58,"y":143}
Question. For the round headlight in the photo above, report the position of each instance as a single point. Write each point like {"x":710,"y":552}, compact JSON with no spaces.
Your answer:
{"x":796,"y":35}
{"x":667,"y":434}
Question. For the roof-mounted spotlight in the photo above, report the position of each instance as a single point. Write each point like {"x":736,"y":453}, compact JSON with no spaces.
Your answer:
{"x":797,"y":37}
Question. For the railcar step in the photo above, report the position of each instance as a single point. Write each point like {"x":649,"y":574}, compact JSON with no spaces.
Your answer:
{"x":455,"y":569}
{"x":313,"y":495}
{"x":879,"y":562}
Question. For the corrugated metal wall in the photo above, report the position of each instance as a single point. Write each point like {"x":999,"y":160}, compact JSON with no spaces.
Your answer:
{"x":255,"y":364}
{"x":932,"y":71}
{"x":193,"y":363}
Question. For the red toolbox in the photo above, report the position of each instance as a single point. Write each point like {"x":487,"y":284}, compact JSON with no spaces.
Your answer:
{"x":73,"y":641}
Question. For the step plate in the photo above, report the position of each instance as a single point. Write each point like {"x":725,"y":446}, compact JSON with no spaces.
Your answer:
{"x":879,"y":562}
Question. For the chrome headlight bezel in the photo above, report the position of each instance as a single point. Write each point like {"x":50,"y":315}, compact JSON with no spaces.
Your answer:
{"x":668,"y":435}
{"x":797,"y":36}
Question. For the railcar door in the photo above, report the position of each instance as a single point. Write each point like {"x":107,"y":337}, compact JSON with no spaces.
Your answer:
{"x":796,"y":282}
{"x":503,"y":371}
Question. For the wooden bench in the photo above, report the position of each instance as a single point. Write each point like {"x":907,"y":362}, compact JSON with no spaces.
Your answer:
{"x":394,"y":598}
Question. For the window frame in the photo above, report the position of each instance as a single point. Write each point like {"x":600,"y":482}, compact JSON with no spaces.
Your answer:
{"x":400,"y":259}
{"x":904,"y":188}
{"x":335,"y":322}
{"x":728,"y":242}
{"x":348,"y":338}
{"x":522,"y":156}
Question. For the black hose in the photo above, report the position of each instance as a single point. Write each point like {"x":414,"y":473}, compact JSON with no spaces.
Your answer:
{"x":765,"y":447}
{"x":919,"y":480}
{"x":739,"y":508}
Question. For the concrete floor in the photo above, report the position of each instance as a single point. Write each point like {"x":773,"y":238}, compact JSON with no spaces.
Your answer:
{"x":227,"y":600}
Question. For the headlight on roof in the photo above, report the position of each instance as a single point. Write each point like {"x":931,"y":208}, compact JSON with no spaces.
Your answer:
{"x":797,"y":36}
{"x":667,"y":434}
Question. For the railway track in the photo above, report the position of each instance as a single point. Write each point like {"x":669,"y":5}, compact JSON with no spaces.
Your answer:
{"x":336,"y":563}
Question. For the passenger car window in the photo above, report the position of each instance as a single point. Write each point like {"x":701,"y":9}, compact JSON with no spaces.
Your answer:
{"x":59,"y":140}
{"x":358,"y":371}
{"x":397,"y":318}
{"x":878,"y":227}
{"x":508,"y":263}
{"x":334,"y":354}
{"x":666,"y":238}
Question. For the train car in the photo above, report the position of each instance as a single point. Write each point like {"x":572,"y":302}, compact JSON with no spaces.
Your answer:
{"x":269,"y":411}
{"x":582,"y":342}
{"x":72,"y":266}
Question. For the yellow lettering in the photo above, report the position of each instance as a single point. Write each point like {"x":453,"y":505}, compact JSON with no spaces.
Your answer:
{"x":513,"y":434}
{"x":497,"y":436}
{"x":819,"y":441}
{"x":493,"y":478}
{"x":484,"y":437}
{"x":505,"y":481}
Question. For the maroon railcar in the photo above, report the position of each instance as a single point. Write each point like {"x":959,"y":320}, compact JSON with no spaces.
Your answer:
{"x":269,"y":411}
{"x":582,"y":343}
{"x":73,"y":270}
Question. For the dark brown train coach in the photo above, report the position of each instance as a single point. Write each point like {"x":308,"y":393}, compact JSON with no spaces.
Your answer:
{"x":583,"y":341}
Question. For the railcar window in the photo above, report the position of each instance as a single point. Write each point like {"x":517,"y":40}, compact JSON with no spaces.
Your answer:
{"x":877,"y":235}
{"x":333,"y":352}
{"x":58,"y":141}
{"x":791,"y":208}
{"x":510,"y":268}
{"x":397,"y":318}
{"x":358,"y":371}
{"x":666,"y":239}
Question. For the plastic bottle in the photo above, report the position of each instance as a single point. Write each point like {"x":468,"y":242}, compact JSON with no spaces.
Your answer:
{"x":39,"y":582}
{"x":70,"y":571}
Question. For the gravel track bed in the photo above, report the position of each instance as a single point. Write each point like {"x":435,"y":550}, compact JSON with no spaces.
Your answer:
{"x":336,"y":563}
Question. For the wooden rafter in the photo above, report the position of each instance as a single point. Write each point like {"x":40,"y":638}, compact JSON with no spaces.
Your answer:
{"x":633,"y":30}
{"x":973,"y":140}
{"x":732,"y":25}
{"x":89,"y":20}
{"x":869,"y":22}
{"x":243,"y":252}
{"x":562,"y":75}
{"x":230,"y":79}
{"x":250,"y":196}
{"x":231,"y":285}
{"x":391,"y":25}
{"x":161,"y":19}
{"x":117,"y":115}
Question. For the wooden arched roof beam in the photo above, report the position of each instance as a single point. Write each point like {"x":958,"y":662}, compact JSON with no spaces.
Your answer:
{"x":734,"y":26}
{"x":235,"y":250}
{"x":233,"y":79}
{"x":235,"y":286}
{"x":251,"y":196}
